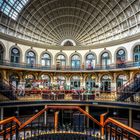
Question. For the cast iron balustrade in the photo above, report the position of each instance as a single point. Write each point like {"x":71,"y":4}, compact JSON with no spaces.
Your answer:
{"x":129,"y":90}
{"x":69,"y":68}
{"x":38,"y":127}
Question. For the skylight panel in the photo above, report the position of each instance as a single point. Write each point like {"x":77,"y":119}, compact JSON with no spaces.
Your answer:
{"x":12,"y":8}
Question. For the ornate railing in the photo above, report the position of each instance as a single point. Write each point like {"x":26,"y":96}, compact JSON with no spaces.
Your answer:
{"x":69,"y":68}
{"x":38,"y":128}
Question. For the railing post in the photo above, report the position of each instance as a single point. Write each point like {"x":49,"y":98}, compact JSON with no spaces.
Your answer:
{"x":1,"y":115}
{"x":56,"y":121}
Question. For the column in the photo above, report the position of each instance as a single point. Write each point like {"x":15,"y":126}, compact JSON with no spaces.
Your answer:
{"x":1,"y":115}
{"x":130,"y":118}
{"x":87,"y":110}
{"x":56,"y":121}
{"x":45,"y":116}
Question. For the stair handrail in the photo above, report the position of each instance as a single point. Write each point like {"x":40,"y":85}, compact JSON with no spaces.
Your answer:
{"x":123,"y":126}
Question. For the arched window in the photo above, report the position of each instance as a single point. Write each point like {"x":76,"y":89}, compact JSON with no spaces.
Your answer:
{"x":46,"y":80}
{"x":90,"y":61}
{"x":31,"y":58}
{"x":60,"y":80}
{"x":60,"y":61}
{"x":75,"y":82}
{"x":120,"y":58}
{"x":105,"y":60}
{"x":29,"y":78}
{"x":46,"y":60}
{"x":90,"y":83}
{"x":75,"y":62}
{"x":136,"y":55}
{"x":106,"y":84}
{"x":14,"y":79}
{"x":1,"y":53}
{"x":15,"y":55}
{"x":121,"y":80}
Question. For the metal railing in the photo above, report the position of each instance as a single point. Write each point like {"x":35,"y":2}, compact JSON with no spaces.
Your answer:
{"x":37,"y":127}
{"x":70,"y":68}
{"x":129,"y":90}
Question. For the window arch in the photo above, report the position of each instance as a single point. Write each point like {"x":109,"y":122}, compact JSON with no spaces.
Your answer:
{"x":60,"y":80}
{"x":121,"y":80}
{"x":90,"y":61}
{"x":105,"y":60}
{"x":46,"y":80}
{"x":46,"y":60}
{"x":106,"y":84}
{"x":75,"y":61}
{"x":120,"y":58}
{"x":29,"y":78}
{"x":60,"y":61}
{"x":75,"y":82}
{"x":14,"y":79}
{"x":1,"y":53}
{"x":136,"y":55}
{"x":90,"y":83}
{"x":15,"y":55}
{"x":30,"y":58}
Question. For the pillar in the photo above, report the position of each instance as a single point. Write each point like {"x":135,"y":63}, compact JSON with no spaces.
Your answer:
{"x":56,"y":121}
{"x":45,"y":116}
{"x":87,"y":110}
{"x":130,"y":118}
{"x":1,"y":115}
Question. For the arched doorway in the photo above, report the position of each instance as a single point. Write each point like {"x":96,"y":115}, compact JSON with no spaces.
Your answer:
{"x":46,"y":80}
{"x":75,"y":82}
{"x":90,"y":61}
{"x":14,"y":79}
{"x":60,"y":61}
{"x":31,"y":58}
{"x":136,"y":55}
{"x":29,"y":78}
{"x":15,"y":55}
{"x":46,"y":60}
{"x":75,"y":62}
{"x":90,"y":83}
{"x":105,"y":60}
{"x":106,"y":84}
{"x":120,"y":58}
{"x":1,"y":53}
{"x":121,"y":80}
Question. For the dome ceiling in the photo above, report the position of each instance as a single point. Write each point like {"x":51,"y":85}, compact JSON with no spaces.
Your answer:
{"x":86,"y":22}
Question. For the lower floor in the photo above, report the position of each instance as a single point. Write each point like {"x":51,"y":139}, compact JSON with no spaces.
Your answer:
{"x":105,"y":82}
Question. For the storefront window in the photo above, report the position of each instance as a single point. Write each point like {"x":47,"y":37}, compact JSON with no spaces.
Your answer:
{"x":29,"y":81}
{"x":14,"y":80}
{"x":121,"y":80}
{"x":75,"y":82}
{"x":106,"y":84}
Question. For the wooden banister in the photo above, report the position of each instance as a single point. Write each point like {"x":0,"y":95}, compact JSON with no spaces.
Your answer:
{"x":10,"y":120}
{"x":123,"y":126}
